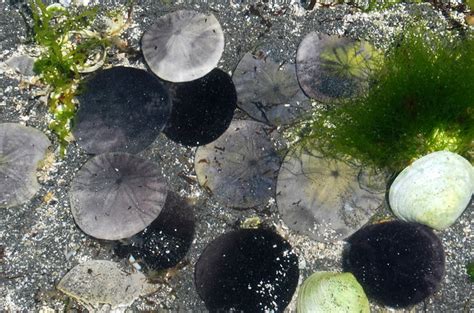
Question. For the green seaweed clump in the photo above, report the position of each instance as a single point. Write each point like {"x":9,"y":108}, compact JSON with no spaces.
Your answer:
{"x":421,"y":101}
{"x":470,"y":271}
{"x":373,"y":5}
{"x":66,"y":49}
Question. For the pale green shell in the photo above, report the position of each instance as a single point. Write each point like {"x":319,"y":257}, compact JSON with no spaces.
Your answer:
{"x":434,"y":190}
{"x":328,"y":292}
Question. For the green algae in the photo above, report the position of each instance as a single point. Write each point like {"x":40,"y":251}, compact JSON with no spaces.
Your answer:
{"x":421,"y":100}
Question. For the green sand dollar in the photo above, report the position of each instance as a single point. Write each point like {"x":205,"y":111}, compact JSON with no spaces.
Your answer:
{"x":21,"y":148}
{"x":333,"y":67}
{"x":332,"y":293}
{"x":434,"y":190}
{"x":326,"y":199}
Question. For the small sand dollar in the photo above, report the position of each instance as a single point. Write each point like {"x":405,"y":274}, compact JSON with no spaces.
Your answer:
{"x":240,"y":167}
{"x":331,"y":67}
{"x":21,"y":148}
{"x":99,"y":282}
{"x":116,"y":195}
{"x":268,"y":91}
{"x":326,"y":199}
{"x":183,"y":46}
{"x":434,"y":190}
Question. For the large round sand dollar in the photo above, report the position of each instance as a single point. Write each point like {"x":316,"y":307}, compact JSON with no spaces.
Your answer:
{"x":240,"y":167}
{"x":202,"y":109}
{"x":333,"y":67}
{"x":121,"y":109}
{"x":183,"y":45}
{"x":21,"y":148}
{"x":398,"y":264}
{"x":326,"y":199}
{"x":116,"y":195}
{"x":268,"y":91}
{"x":434,"y":190}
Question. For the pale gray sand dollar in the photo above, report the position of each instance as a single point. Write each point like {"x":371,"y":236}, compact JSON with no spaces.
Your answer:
{"x":183,"y":46}
{"x":326,"y":199}
{"x":333,"y":67}
{"x":100,"y":282}
{"x":269,"y":91}
{"x":21,"y":148}
{"x":241,"y":166}
{"x":116,"y":195}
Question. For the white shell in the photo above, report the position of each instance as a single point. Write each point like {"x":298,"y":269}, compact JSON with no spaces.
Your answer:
{"x":183,"y":45}
{"x":434,"y":190}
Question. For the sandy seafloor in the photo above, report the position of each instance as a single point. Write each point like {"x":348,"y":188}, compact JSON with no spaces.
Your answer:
{"x":40,"y":241}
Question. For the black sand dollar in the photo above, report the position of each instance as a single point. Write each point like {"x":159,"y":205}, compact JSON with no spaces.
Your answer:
{"x":183,"y":46}
{"x":166,"y":241}
{"x":397,"y":263}
{"x":116,"y":195}
{"x":239,"y":168}
{"x":202,"y":109}
{"x":21,"y":148}
{"x":121,"y":109}
{"x":326,"y":199}
{"x":268,"y":91}
{"x":333,"y":67}
{"x":249,"y":270}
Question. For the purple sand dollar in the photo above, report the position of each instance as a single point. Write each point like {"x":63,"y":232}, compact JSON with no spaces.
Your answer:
{"x":121,"y":109}
{"x":165,"y":242}
{"x":249,"y":270}
{"x":397,"y":263}
{"x":202,"y":109}
{"x":268,"y":91}
{"x":116,"y":195}
{"x":241,"y":166}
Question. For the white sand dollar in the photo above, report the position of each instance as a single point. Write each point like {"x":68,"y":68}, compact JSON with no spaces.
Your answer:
{"x":183,"y":45}
{"x":98,"y":282}
{"x":434,"y":190}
